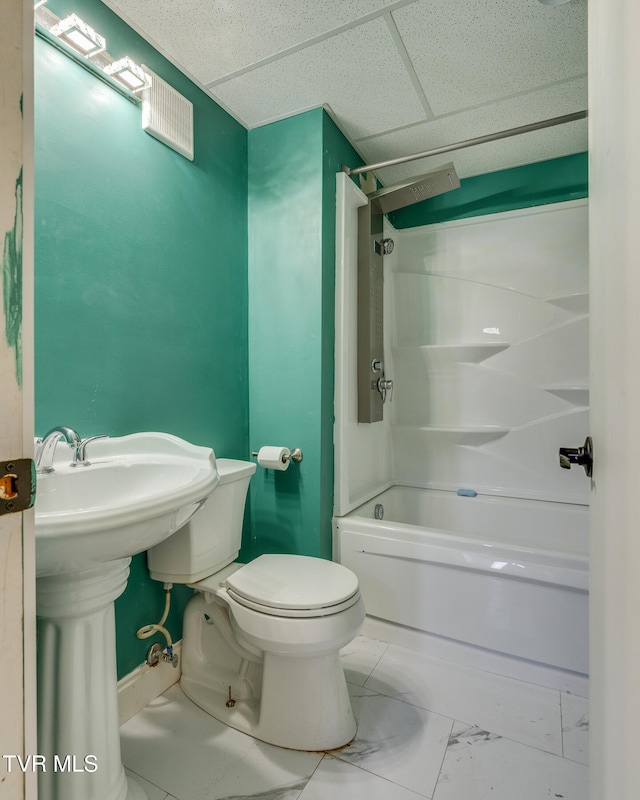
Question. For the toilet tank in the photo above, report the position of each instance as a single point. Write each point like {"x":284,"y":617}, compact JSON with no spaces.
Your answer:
{"x":211,"y":539}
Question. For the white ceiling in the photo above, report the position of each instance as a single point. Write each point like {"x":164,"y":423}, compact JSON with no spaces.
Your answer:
{"x":398,"y":77}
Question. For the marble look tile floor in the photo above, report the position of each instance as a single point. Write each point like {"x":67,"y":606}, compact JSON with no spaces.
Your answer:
{"x":426,"y":729}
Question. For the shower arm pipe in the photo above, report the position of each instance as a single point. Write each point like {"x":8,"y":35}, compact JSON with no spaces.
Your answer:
{"x":490,"y":137}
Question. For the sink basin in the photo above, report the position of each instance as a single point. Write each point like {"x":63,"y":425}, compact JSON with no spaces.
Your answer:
{"x":136,"y":491}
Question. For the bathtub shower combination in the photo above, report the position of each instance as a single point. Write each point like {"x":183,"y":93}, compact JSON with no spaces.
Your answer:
{"x":506,"y":575}
{"x":466,"y":535}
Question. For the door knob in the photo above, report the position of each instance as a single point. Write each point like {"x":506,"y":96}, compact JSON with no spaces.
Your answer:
{"x":578,"y":455}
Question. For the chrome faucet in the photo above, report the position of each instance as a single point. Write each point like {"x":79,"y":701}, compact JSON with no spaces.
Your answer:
{"x":80,"y":456}
{"x":47,"y":446}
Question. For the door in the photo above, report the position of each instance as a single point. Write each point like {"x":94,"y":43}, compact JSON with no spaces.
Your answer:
{"x":17,"y":563}
{"x":614,"y":242}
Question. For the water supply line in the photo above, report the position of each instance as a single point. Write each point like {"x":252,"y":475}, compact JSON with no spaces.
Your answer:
{"x":155,"y":653}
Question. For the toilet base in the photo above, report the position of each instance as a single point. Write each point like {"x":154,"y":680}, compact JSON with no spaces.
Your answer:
{"x":305,"y":704}
{"x":301,"y":703}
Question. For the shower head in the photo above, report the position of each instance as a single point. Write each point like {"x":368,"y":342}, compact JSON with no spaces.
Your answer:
{"x":437,"y":181}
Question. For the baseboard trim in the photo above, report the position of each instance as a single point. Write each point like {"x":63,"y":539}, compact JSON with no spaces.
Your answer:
{"x":137,"y":689}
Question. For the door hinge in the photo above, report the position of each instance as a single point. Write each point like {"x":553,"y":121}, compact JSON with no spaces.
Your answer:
{"x":17,"y":485}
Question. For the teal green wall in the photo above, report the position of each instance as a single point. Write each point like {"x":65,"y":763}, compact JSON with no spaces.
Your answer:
{"x":552,"y":181}
{"x":292,"y":167}
{"x":141,"y":275}
{"x":285,"y":323}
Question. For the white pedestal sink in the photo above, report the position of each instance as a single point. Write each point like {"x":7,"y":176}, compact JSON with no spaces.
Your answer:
{"x":90,"y":520}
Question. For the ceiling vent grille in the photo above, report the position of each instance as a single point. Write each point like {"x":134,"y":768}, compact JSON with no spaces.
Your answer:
{"x":168,"y":116}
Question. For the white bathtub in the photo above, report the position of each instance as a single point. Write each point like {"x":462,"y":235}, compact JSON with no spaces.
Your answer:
{"x":506,"y":576}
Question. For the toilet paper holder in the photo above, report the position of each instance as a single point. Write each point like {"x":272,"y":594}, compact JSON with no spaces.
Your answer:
{"x":294,"y":455}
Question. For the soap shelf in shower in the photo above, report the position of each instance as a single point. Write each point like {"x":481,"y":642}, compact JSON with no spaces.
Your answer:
{"x":578,"y":395}
{"x":470,"y":352}
{"x":472,"y":435}
{"x":577,"y":303}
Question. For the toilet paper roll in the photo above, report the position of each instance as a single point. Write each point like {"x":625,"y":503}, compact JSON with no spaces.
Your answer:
{"x":274,"y":458}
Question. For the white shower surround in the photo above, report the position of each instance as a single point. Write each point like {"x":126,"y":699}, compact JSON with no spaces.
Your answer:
{"x":486,"y":341}
{"x":490,"y":353}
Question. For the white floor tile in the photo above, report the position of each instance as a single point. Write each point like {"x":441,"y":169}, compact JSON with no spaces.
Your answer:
{"x":575,"y":727}
{"x":337,"y":780}
{"x":521,"y":711}
{"x":407,"y":746}
{"x":179,"y":747}
{"x":397,"y":741}
{"x":153,"y":792}
{"x":360,"y":657}
{"x":485,"y":766}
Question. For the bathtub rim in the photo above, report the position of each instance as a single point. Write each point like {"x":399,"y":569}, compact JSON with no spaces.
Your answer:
{"x":345,"y":508}
{"x":556,"y":567}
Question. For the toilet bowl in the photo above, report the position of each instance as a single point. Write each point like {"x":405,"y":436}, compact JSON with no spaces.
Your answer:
{"x":261,"y":641}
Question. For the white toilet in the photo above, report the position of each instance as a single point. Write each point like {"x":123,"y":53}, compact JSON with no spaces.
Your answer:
{"x":261,"y":641}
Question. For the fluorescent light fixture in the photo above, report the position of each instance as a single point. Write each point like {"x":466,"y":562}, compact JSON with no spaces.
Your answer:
{"x":79,"y":35}
{"x":129,"y":74}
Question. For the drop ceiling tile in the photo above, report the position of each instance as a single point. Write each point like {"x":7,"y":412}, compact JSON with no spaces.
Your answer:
{"x":214,"y":39}
{"x":359,"y":73}
{"x":540,"y":145}
{"x":471,"y":51}
{"x":527,"y":149}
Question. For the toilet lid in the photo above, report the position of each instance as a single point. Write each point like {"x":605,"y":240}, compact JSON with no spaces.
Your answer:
{"x":293,"y":582}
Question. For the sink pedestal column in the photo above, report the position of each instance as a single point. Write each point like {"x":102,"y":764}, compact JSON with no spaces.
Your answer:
{"x":78,"y":731}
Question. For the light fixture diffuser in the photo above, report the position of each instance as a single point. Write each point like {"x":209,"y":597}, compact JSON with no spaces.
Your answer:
{"x":80,"y":36}
{"x":129,"y":74}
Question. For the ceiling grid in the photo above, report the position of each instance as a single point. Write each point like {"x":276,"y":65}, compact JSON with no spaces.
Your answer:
{"x":398,"y":77}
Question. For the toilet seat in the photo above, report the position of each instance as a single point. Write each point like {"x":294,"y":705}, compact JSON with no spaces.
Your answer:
{"x":291,"y":613}
{"x":290,"y":586}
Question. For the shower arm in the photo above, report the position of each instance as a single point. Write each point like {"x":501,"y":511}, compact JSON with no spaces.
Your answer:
{"x":491,"y":137}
